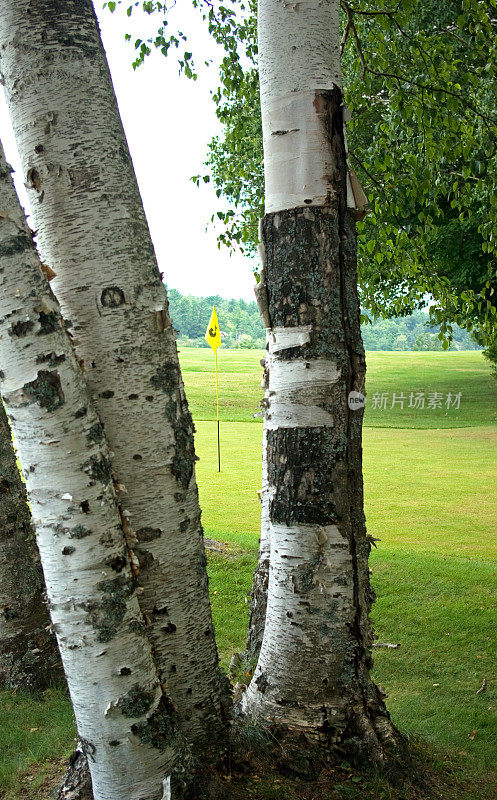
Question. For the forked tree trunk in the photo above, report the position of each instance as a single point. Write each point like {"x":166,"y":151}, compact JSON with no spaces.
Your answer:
{"x":92,"y":231}
{"x":29,"y":657}
{"x":125,"y":721}
{"x":312,"y":677}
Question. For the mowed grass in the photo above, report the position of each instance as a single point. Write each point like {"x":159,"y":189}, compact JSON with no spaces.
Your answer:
{"x":430,"y":498}
{"x":398,"y":373}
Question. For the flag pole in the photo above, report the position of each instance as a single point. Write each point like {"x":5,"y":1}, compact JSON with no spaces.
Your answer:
{"x":217,"y":409}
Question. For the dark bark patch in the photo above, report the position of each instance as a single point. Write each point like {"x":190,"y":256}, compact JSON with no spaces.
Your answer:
{"x":184,"y":450}
{"x":169,"y":628}
{"x":79,"y":532}
{"x":125,"y":671}
{"x":33,"y":179}
{"x":107,"y":394}
{"x":81,"y":412}
{"x":109,"y":614}
{"x":301,"y":465}
{"x":160,"y":729}
{"x":99,"y":468}
{"x":96,"y":433}
{"x":46,"y":390}
{"x":136,"y":702}
{"x":14,"y":245}
{"x":148,"y":534}
{"x":21,"y":328}
{"x":112,"y":297}
{"x":68,"y":551}
{"x":85,"y":506}
{"x":116,"y":562}
{"x":49,"y":322}
{"x":50,"y":359}
{"x":303,"y":576}
{"x":166,"y":378}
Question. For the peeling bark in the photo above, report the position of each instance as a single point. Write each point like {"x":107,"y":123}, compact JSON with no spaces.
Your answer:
{"x":125,"y":722}
{"x":29,"y":657}
{"x":312,"y":677}
{"x":92,"y":231}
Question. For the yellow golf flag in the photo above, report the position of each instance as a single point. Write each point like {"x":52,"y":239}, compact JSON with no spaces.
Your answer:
{"x":213,"y":334}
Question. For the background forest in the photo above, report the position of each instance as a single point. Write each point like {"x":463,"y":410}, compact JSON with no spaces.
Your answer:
{"x":241,"y":325}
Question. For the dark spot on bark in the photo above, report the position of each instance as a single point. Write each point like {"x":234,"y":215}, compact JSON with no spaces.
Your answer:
{"x":166,"y":378}
{"x":125,"y":671}
{"x":189,"y":691}
{"x":184,"y":525}
{"x":21,"y":328}
{"x":79,"y":531}
{"x":16,"y":244}
{"x":106,"y":395}
{"x":138,"y":626}
{"x":114,"y":743}
{"x":116,"y":562}
{"x":159,"y":730}
{"x":170,"y":411}
{"x":99,"y":469}
{"x":148,"y":534}
{"x":160,"y":610}
{"x":184,"y":451}
{"x":96,"y":433}
{"x":303,"y":576}
{"x":289,"y":615}
{"x":123,"y":153}
{"x":110,"y":612}
{"x":173,"y":667}
{"x":169,"y":628}
{"x":145,"y":558}
{"x":81,"y":412}
{"x":325,"y":681}
{"x":208,"y":631}
{"x":262,"y":682}
{"x":68,"y":551}
{"x":39,"y":149}
{"x":46,"y":390}
{"x":136,"y":702}
{"x":137,"y":457}
{"x":48,"y":322}
{"x":85,"y":507}
{"x":133,"y":397}
{"x":51,"y":359}
{"x":149,"y":398}
{"x":33,"y":179}
{"x":112,"y":297}
{"x":307,"y":202}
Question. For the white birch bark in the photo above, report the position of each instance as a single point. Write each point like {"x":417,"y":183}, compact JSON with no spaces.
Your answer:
{"x":299,"y":57}
{"x":92,"y":231}
{"x":114,"y":685}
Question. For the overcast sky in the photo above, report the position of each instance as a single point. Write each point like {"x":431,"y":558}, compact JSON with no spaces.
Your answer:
{"x":168,"y":122}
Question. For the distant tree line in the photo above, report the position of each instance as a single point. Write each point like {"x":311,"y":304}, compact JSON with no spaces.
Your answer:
{"x":241,"y":326}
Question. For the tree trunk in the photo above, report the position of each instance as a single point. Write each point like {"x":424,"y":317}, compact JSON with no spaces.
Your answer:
{"x":312,"y":677}
{"x":29,"y":657}
{"x":92,"y":231}
{"x":125,"y":722}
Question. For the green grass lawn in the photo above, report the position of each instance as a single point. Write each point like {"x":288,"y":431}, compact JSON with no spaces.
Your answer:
{"x":464,"y":372}
{"x":430,"y":498}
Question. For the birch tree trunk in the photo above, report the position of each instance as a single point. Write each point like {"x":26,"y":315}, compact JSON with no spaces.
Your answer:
{"x":312,"y":677}
{"x":125,"y":722}
{"x":29,"y":657}
{"x":92,"y":231}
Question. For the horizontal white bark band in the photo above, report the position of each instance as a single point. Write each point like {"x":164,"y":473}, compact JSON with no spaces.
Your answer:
{"x":299,"y":373}
{"x":297,"y":158}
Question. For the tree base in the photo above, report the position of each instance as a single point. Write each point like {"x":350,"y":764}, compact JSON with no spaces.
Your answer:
{"x":77,"y":782}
